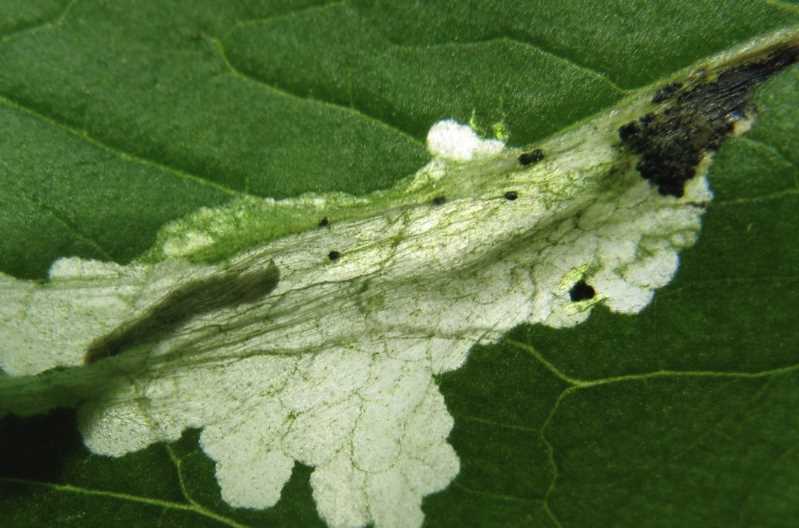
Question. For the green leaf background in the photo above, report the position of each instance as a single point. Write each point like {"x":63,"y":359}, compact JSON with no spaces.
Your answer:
{"x":118,"y":116}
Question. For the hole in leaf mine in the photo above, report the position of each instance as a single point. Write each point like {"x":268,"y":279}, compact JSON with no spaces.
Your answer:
{"x":581,"y":291}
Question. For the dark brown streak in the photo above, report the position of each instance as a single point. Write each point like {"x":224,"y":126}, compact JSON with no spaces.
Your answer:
{"x":228,"y":289}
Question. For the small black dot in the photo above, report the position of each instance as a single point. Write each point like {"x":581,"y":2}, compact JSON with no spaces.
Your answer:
{"x":533,"y":156}
{"x":511,"y":195}
{"x":439,"y":200}
{"x":324,"y":222}
{"x":581,"y":291}
{"x":334,"y":255}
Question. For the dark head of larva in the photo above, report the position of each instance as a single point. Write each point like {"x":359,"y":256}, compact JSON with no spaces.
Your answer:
{"x":672,"y":141}
{"x":581,"y":291}
{"x":534,"y":156}
{"x":334,"y":255}
{"x":439,"y":200}
{"x":324,"y":222}
{"x":511,"y":195}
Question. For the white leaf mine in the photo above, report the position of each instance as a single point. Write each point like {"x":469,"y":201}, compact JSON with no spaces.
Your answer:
{"x":335,"y":367}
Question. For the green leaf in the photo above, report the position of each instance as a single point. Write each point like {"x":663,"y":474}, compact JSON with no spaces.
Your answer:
{"x":122,"y":116}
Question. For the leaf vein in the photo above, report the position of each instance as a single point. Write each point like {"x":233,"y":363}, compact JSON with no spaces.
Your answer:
{"x":577,"y":384}
{"x":68,"y":225}
{"x":240,"y":74}
{"x":529,"y":349}
{"x":568,"y":61}
{"x":589,"y":70}
{"x":759,"y":199}
{"x":493,"y":423}
{"x":166,"y":504}
{"x":496,"y":496}
{"x":48,"y":23}
{"x":85,"y":136}
{"x":771,"y":149}
{"x":285,"y":14}
{"x":553,"y":465}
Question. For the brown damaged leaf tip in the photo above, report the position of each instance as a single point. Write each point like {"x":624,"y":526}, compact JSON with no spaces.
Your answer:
{"x":698,"y":119}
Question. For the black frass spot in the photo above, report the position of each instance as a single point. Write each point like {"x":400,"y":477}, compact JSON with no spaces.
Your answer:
{"x":511,"y":195}
{"x":439,"y":200}
{"x":324,"y":222}
{"x":534,"y":156}
{"x":334,"y":255}
{"x":672,"y":141}
{"x":581,"y":291}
